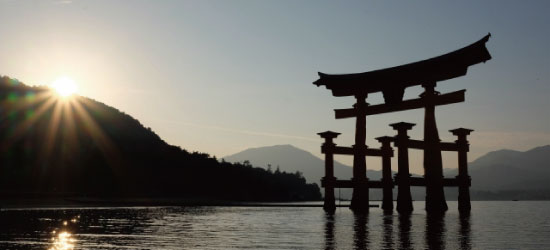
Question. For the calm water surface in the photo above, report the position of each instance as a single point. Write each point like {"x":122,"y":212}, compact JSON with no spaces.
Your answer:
{"x":491,"y":225}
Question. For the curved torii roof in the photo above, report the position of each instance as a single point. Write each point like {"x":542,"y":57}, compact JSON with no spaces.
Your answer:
{"x":444,"y":67}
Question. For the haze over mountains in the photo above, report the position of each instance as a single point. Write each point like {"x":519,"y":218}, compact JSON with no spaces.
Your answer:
{"x":503,"y":174}
{"x":512,"y":170}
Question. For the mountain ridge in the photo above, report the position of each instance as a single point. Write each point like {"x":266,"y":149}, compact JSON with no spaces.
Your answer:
{"x":500,"y":171}
{"x":309,"y":165}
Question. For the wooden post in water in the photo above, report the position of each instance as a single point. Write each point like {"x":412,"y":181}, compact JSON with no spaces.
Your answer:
{"x":464,"y":180}
{"x":360,"y":196}
{"x":402,"y":178}
{"x":433,"y":163}
{"x":329,"y":180}
{"x":387,"y":182}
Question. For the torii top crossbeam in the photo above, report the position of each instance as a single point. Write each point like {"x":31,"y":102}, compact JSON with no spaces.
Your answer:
{"x":444,"y":67}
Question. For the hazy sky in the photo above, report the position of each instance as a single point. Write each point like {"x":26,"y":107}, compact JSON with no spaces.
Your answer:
{"x":223,"y":76}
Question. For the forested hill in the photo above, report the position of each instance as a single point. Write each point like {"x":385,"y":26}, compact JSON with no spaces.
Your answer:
{"x":78,"y":145}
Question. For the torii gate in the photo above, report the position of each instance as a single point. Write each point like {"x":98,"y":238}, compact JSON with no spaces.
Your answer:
{"x":392,"y":83}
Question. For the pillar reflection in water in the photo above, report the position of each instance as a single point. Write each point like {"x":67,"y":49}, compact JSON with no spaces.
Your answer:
{"x":465,"y":239}
{"x":360,"y":230}
{"x":405,"y":231}
{"x":330,"y":243}
{"x":435,"y":230}
{"x":387,"y":238}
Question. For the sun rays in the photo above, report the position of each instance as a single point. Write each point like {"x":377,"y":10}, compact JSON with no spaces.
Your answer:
{"x":64,"y":117}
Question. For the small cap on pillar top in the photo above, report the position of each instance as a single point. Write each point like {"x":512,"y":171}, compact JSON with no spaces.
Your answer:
{"x":384,"y":138}
{"x":461,"y":131}
{"x":402,"y":125}
{"x":328,"y":134}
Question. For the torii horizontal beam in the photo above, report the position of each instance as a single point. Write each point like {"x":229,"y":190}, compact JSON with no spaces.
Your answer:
{"x":441,"y":68}
{"x":444,"y":99}
{"x":417,"y":144}
{"x":338,"y":150}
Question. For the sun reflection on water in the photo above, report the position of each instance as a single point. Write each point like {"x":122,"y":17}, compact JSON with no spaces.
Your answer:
{"x":63,"y":241}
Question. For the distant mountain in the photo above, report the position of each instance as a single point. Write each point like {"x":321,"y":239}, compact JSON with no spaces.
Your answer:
{"x":510,"y":175}
{"x":504,"y":174}
{"x":292,"y":159}
{"x":511,"y":170}
{"x":83,"y":147}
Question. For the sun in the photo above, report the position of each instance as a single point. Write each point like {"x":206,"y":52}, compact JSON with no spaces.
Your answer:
{"x":64,"y":86}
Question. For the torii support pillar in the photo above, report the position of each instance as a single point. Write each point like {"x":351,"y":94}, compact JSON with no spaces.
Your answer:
{"x":433,"y":163}
{"x":360,"y":196}
{"x":464,"y":180}
{"x":387,"y":182}
{"x":402,"y":178}
{"x":329,"y":180}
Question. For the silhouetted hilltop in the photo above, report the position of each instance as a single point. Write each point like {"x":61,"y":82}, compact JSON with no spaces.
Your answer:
{"x":289,"y":158}
{"x":511,"y":175}
{"x":292,"y":159}
{"x":512,"y":170}
{"x":81,"y":146}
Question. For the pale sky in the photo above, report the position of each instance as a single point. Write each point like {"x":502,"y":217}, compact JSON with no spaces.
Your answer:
{"x":223,"y":76}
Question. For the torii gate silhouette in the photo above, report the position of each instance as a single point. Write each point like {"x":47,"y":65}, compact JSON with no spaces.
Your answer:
{"x":392,"y":82}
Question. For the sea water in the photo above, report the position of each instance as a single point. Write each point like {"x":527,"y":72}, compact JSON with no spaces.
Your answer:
{"x":490,"y":225}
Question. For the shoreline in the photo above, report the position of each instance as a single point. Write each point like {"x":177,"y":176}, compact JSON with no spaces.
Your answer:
{"x":14,"y":203}
{"x":74,"y":202}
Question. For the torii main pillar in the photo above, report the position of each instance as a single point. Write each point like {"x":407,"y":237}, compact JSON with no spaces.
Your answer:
{"x":360,"y":196}
{"x":433,"y":163}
